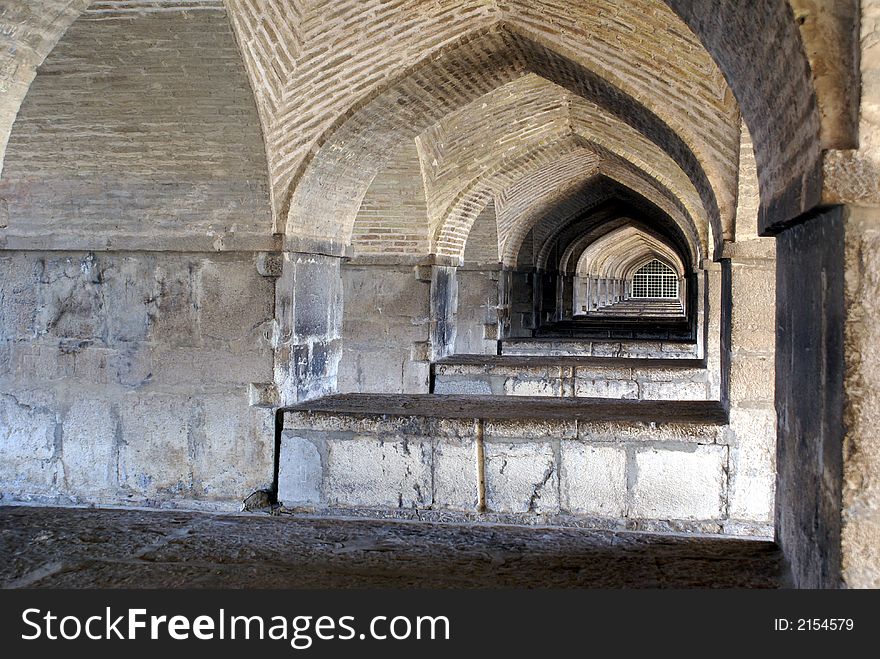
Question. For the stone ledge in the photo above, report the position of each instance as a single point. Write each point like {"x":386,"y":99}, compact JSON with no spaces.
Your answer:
{"x":520,"y":407}
{"x":600,"y":347}
{"x":575,"y":361}
{"x":729,"y":528}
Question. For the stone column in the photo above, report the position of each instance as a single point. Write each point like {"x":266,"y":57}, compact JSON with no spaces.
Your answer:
{"x":385,"y":326}
{"x":444,"y":307}
{"x":860,"y":505}
{"x":712,"y":319}
{"x":308,"y":324}
{"x":559,"y":312}
{"x":568,"y":301}
{"x":751,"y":382}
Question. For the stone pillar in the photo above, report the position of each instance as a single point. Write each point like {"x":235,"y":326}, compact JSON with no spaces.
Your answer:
{"x":559,"y":312}
{"x":568,"y":301}
{"x":828,"y":370}
{"x":504,"y":304}
{"x":477,"y":316}
{"x":712,"y":318}
{"x":810,"y":317}
{"x":860,"y":505}
{"x":751,"y":381}
{"x":385,"y":327}
{"x":444,"y":306}
{"x":308,"y":323}
{"x":699,"y":301}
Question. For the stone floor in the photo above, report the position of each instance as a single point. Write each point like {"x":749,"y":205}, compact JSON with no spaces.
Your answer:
{"x":85,"y":548}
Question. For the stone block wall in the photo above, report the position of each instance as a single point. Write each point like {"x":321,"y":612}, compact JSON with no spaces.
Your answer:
{"x":385,"y":329}
{"x":477,"y":318}
{"x":828,"y":523}
{"x":124,"y":377}
{"x":133,"y":320}
{"x":648,"y":476}
{"x":558,"y":347}
{"x":555,"y":380}
{"x":751,"y":380}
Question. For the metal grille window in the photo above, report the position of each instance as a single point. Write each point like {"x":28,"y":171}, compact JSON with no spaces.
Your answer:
{"x":655,"y":279}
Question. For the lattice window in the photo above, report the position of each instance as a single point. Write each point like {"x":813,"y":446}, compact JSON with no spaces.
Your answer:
{"x":655,"y":279}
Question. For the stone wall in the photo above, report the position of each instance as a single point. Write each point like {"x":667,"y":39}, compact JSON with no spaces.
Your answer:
{"x":124,"y":377}
{"x":127,"y":355}
{"x":566,"y":377}
{"x":749,"y":383}
{"x":648,"y":476}
{"x":385,"y":329}
{"x":477,"y":318}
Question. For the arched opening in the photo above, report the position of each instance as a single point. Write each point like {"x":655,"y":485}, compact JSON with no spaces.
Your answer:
{"x":655,"y":280}
{"x":534,"y":199}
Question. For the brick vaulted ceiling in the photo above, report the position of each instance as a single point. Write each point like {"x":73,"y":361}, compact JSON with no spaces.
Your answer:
{"x":653,"y":89}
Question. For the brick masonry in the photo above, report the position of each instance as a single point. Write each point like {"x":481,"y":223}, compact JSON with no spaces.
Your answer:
{"x":139,"y":133}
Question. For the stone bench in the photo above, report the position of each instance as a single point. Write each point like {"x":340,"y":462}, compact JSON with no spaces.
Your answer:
{"x":597,"y":377}
{"x":614,"y":464}
{"x":560,"y":346}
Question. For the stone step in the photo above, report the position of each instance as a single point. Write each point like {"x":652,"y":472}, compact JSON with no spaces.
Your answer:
{"x":611,"y":464}
{"x":561,"y":346}
{"x":617,"y":329}
{"x":640,"y":309}
{"x":591,"y":377}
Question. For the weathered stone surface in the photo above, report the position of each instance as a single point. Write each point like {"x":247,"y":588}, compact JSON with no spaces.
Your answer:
{"x":752,"y":378}
{"x":463,"y":385}
{"x":752,"y":327}
{"x":593,"y":479}
{"x":683,"y":484}
{"x":530,"y":387}
{"x":125,"y":363}
{"x":674,"y":390}
{"x":30,"y":444}
{"x":477,"y":308}
{"x":89,"y":548}
{"x":593,"y":377}
{"x":307,"y":328}
{"x":88,"y":448}
{"x":367,"y":472}
{"x":385,"y":314}
{"x":860,"y":536}
{"x":521,"y":478}
{"x":649,"y":431}
{"x":300,"y":471}
{"x":603,"y":388}
{"x":529,"y":427}
{"x":810,"y":276}
{"x":752,"y":464}
{"x":455,"y":475}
